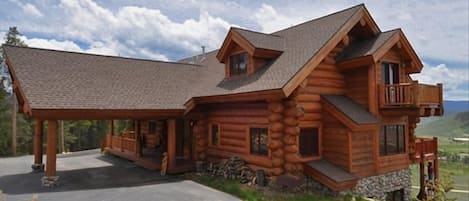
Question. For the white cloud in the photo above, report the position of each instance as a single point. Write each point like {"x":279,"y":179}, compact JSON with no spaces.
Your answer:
{"x":53,"y":44}
{"x":270,"y":20}
{"x":30,"y":9}
{"x":455,"y":80}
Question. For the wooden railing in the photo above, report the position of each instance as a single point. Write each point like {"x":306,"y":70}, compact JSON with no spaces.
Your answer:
{"x":411,"y":95}
{"x":124,"y":142}
{"x":425,"y":149}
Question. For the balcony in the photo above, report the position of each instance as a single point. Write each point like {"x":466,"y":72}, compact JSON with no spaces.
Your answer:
{"x":426,"y":149}
{"x":427,"y":98}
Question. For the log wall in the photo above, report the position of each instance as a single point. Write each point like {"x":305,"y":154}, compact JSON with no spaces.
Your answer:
{"x":362,"y":156}
{"x":357,"y":85}
{"x":335,"y":142}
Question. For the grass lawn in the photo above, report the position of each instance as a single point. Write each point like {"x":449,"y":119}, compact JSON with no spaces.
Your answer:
{"x":243,"y":192}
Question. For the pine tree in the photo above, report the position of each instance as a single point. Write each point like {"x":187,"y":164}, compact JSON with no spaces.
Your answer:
{"x":13,"y":38}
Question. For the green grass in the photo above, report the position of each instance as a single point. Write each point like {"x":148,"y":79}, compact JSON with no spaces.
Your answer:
{"x":454,"y":147}
{"x":446,"y":126}
{"x":243,"y":192}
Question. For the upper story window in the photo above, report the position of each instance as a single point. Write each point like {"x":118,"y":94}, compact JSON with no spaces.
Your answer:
{"x":239,"y":64}
{"x":390,"y":73}
{"x":392,"y":140}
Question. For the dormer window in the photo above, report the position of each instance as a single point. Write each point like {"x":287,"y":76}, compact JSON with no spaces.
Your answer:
{"x":239,"y":64}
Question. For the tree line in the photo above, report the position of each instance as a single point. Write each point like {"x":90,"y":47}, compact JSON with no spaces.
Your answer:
{"x":17,"y":129}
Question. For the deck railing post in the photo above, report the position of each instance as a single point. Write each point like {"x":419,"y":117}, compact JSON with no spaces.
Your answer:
{"x":416,"y":93}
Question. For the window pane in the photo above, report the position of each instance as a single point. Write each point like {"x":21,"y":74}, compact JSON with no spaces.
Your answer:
{"x":391,"y":139}
{"x":238,"y":64}
{"x":259,"y":140}
{"x":382,"y":141}
{"x":152,"y":127}
{"x":309,"y":142}
{"x":385,"y":72}
{"x":214,"y":134}
{"x":401,"y":138}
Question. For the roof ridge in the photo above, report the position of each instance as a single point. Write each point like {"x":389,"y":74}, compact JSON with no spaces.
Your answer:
{"x":256,"y":32}
{"x":101,"y":55}
{"x":319,"y":18}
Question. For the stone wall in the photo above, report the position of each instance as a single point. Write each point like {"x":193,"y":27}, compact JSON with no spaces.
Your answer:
{"x":377,"y":186}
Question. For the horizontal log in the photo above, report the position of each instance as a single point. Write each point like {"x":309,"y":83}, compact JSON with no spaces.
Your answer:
{"x":290,"y":103}
{"x":233,"y":128}
{"x":202,"y":142}
{"x":289,"y":140}
{"x":233,"y":142}
{"x":241,"y":105}
{"x":276,"y":107}
{"x":328,"y":60}
{"x":234,"y":149}
{"x":308,"y":98}
{"x":327,"y":67}
{"x":234,"y":135}
{"x":275,"y":117}
{"x":239,"y":113}
{"x":292,"y":130}
{"x":276,"y":127}
{"x":290,"y":167}
{"x":278,"y":153}
{"x":311,"y":107}
{"x":276,"y":135}
{"x":275,"y":144}
{"x":290,"y":121}
{"x":325,"y":74}
{"x":293,"y":112}
{"x":299,"y":167}
{"x":321,"y":90}
{"x":240,"y":120}
{"x":291,"y":148}
{"x":277,"y":162}
{"x":311,"y":117}
{"x":321,"y":82}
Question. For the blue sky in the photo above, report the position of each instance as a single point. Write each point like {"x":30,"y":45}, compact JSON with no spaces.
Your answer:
{"x":173,"y":29}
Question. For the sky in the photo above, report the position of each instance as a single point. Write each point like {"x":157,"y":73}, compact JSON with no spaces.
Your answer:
{"x":174,"y":29}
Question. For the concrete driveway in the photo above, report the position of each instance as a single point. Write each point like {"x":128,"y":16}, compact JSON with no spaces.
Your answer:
{"x":90,"y":176}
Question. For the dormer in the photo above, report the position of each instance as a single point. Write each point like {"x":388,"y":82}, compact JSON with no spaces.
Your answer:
{"x":244,"y":52}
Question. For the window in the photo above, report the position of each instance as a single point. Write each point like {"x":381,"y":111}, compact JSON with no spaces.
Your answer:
{"x":259,"y":141}
{"x":152,"y":127}
{"x":239,"y":64}
{"x":215,"y":137}
{"x":309,"y":142}
{"x":390,"y":73}
{"x":395,"y":195}
{"x":392,"y":140}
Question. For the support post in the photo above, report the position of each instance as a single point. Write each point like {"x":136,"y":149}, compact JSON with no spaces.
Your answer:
{"x":422,"y":193}
{"x":171,"y":144}
{"x":38,"y":166}
{"x":51,"y":179}
{"x":436,"y":162}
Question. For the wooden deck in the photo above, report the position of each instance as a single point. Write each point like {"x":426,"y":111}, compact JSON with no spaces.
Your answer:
{"x":426,"y":149}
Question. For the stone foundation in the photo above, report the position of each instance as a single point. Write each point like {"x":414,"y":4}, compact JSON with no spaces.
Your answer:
{"x":377,"y":186}
{"x":37,"y":168}
{"x":52,"y":181}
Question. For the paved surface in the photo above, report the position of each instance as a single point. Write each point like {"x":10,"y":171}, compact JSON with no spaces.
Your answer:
{"x":91,"y":176}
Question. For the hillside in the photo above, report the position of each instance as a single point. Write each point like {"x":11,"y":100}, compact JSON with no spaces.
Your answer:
{"x":453,"y":125}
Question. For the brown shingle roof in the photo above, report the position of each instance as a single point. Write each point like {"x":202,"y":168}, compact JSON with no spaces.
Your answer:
{"x":262,"y":40}
{"x":63,"y":80}
{"x":351,"y":109}
{"x":367,"y":47}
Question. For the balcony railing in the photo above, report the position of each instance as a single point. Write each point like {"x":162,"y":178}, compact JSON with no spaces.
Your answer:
{"x":411,"y":95}
{"x":425,"y":149}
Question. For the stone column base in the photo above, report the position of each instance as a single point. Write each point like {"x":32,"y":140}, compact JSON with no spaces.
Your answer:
{"x":37,"y":168}
{"x":50,"y":181}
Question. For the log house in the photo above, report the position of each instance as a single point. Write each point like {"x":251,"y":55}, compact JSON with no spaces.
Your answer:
{"x":331,"y":98}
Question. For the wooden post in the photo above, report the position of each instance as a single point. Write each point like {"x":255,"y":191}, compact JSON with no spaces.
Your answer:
{"x":436,"y":161}
{"x":415,"y":94}
{"x":137,"y":138}
{"x":38,"y":166}
{"x":422,"y":194}
{"x":372,"y":96}
{"x":171,"y":123}
{"x":51,"y":148}
{"x":62,"y":137}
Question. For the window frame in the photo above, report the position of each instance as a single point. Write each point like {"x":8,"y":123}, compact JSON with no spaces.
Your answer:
{"x":211,"y":124}
{"x":388,"y":69}
{"x":267,"y":153}
{"x":230,"y":64}
{"x":401,"y":148}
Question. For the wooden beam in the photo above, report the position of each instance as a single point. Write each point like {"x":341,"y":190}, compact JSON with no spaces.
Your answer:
{"x":38,"y":133}
{"x":96,"y":114}
{"x":171,"y":124}
{"x":51,"y":148}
